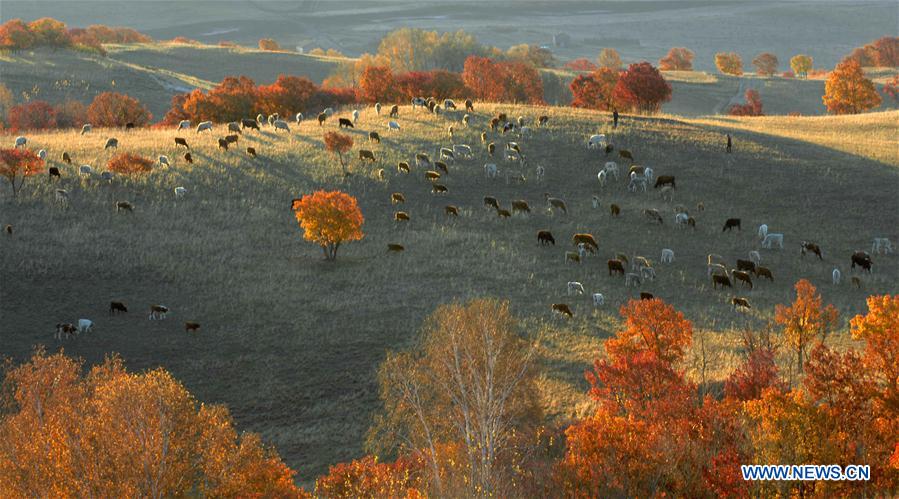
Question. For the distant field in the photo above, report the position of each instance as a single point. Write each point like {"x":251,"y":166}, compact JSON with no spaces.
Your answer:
{"x":291,"y":343}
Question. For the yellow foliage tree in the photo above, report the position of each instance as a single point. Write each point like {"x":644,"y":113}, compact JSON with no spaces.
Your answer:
{"x":805,"y":320}
{"x":801,"y":64}
{"x":848,"y":91}
{"x":329,"y":218}
{"x":729,"y":63}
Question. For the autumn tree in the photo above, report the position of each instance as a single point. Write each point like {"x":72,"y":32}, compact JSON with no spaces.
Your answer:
{"x":268,"y":44}
{"x":729,"y":63}
{"x":594,"y":91}
{"x":753,"y":106}
{"x":805,"y":321}
{"x":414,"y":49}
{"x":127,"y":163}
{"x":609,"y":58}
{"x":286,"y":96}
{"x":34,"y":115}
{"x":232,"y":99}
{"x":469,"y":382}
{"x":582,"y":64}
{"x":70,"y":114}
{"x":15,"y":35}
{"x":532,"y":54}
{"x":114,"y":110}
{"x":755,"y":375}
{"x":438,"y":83}
{"x":890,"y":88}
{"x":642,"y":88}
{"x":49,"y":32}
{"x":765,"y":64}
{"x":369,"y":477}
{"x":883,"y":52}
{"x":329,"y":219}
{"x":801,"y":64}
{"x":377,"y":85}
{"x":339,"y":144}
{"x":113,"y":433}
{"x":879,"y":329}
{"x":848,"y":91}
{"x":18,"y":164}
{"x":677,"y":59}
{"x":495,"y":81}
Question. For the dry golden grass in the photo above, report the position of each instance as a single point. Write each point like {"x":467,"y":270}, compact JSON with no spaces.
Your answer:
{"x":291,"y":342}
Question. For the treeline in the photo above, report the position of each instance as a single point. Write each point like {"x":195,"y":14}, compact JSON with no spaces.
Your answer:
{"x":474,"y":427}
{"x":17,"y":35}
{"x":109,"y":109}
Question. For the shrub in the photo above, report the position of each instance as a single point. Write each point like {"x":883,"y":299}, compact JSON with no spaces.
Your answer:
{"x":581,"y":64}
{"x":113,"y":109}
{"x":377,"y":85}
{"x":269,"y":44}
{"x":129,"y":164}
{"x":438,"y":83}
{"x":71,"y":114}
{"x":34,"y":115}
{"x":287,"y":95}
{"x":753,"y":106}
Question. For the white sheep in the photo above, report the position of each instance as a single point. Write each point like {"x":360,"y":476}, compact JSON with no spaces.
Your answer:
{"x":86,"y":128}
{"x":111,"y":142}
{"x":204,"y":125}
{"x":681,"y":220}
{"x":601,"y":176}
{"x":648,"y":173}
{"x":393,"y":125}
{"x":836,"y":277}
{"x":180,"y":192}
{"x":881,"y":245}
{"x":763,"y":231}
{"x":596,"y":141}
{"x":298,"y":118}
{"x":575,"y":287}
{"x":449,"y":104}
{"x":462,"y":150}
{"x":85,"y":325}
{"x":21,"y":141}
{"x":598,"y":299}
{"x":42,"y":154}
{"x":755,"y":257}
{"x":329,"y":111}
{"x":85,"y":170}
{"x":490,"y":170}
{"x":280,"y":125}
{"x":595,"y":202}
{"x":62,"y":197}
{"x":164,"y":160}
{"x":636,"y":182}
{"x":540,"y":172}
{"x":355,"y":115}
{"x":667,"y":255}
{"x":582,"y":250}
{"x":183,"y":124}
{"x":632,"y":278}
{"x":611,"y":168}
{"x":648,"y":273}
{"x":771,"y":239}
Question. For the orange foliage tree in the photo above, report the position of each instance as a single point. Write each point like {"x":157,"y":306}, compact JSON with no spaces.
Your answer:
{"x":806,"y":320}
{"x":269,"y":44}
{"x":609,"y":58}
{"x":339,"y":144}
{"x":848,"y":91}
{"x":883,"y":52}
{"x":437,"y":83}
{"x":677,"y":59}
{"x":329,"y":219}
{"x":758,"y":373}
{"x":15,"y":35}
{"x":286,"y":96}
{"x":114,"y":109}
{"x":232,"y":99}
{"x":891,"y":88}
{"x":18,"y":164}
{"x":511,"y":81}
{"x":34,"y":115}
{"x":729,"y":63}
{"x":765,"y":64}
{"x":582,"y":64}
{"x":753,"y":106}
{"x":595,"y":91}
{"x":127,"y":163}
{"x":801,"y":64}
{"x":377,"y":85}
{"x":642,"y":88}
{"x":367,"y":477}
{"x":113,"y":433}
{"x":879,"y":329}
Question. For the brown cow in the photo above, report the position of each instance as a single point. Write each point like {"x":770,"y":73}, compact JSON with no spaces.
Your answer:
{"x":503,"y":213}
{"x":374,"y":137}
{"x":440,"y":165}
{"x":344,"y":123}
{"x":451,"y":210}
{"x":251,"y":151}
{"x":624,"y":153}
{"x":321,"y":118}
{"x":394,"y":111}
{"x":747,"y":265}
{"x":730,"y":223}
{"x":742,"y":276}
{"x":807,"y":246}
{"x":469,"y":106}
{"x":545,"y":237}
{"x":587,"y":239}
{"x":395,"y":248}
{"x":520,"y":205}
{"x":665,"y":180}
{"x":615,"y":210}
{"x":67,"y":329}
{"x":124,"y":206}
{"x":616,"y":266}
{"x":432,"y":175}
{"x":190,"y":326}
{"x":68,"y":159}
{"x":232,"y":139}
{"x":439,"y":189}
{"x":403,"y":167}
{"x":653,"y":215}
{"x":764,"y":272}
{"x":223,"y":144}
{"x":740,"y":302}
{"x":158,"y":311}
{"x":401,"y":216}
{"x":491,"y":201}
{"x":646,"y":296}
{"x":181,"y":142}
{"x":723,"y":280}
{"x":117,"y":306}
{"x":366,"y":154}
{"x":188,"y":157}
{"x":562,"y":309}
{"x":397,"y":197}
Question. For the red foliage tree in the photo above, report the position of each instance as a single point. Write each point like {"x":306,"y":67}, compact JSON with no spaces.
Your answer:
{"x":286,"y":96}
{"x":377,"y":85}
{"x":765,"y":64}
{"x":677,"y":59}
{"x":753,"y":106}
{"x":71,"y":114}
{"x":19,"y":164}
{"x":15,"y":35}
{"x":883,"y":52}
{"x":754,"y":376}
{"x":582,"y":64}
{"x":129,"y":164}
{"x":269,"y":44}
{"x":595,"y":91}
{"x":438,"y":83}
{"x":339,"y":144}
{"x":34,"y":115}
{"x":643,"y":88}
{"x":114,"y":109}
{"x":891,"y":89}
{"x":333,"y":97}
{"x":232,"y":99}
{"x":495,"y":81}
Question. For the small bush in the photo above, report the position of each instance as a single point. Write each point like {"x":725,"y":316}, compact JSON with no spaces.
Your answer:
{"x":129,"y":164}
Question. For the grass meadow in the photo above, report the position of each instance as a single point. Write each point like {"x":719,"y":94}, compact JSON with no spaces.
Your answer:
{"x":291,"y":343}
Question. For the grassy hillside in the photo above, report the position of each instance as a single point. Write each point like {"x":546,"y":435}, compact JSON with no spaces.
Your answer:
{"x":291,"y":342}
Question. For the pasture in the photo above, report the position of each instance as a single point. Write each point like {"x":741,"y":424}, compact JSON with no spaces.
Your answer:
{"x":291,"y":343}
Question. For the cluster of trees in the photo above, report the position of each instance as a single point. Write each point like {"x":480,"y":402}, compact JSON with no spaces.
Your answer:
{"x":883,"y":52}
{"x":641,"y":87}
{"x":17,"y":35}
{"x":753,"y":106}
{"x":413,"y":49}
{"x":109,"y":109}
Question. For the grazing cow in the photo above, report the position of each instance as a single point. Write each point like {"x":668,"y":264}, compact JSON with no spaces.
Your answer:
{"x":223,"y":144}
{"x":494,"y":124}
{"x":432,"y":175}
{"x":755,"y":257}
{"x":85,"y":325}
{"x":571,"y":256}
{"x":66,"y":158}
{"x":575,"y":287}
{"x":809,"y":247}
{"x":490,"y":170}
{"x":440,"y":165}
{"x":393,"y":125}
{"x":366,"y":154}
{"x":234,"y":127}
{"x":881,"y":245}
{"x":344,"y":123}
{"x":857,"y":282}
{"x":562,"y":309}
{"x":469,"y":106}
{"x":397,"y":197}
{"x":730,"y":223}
{"x":439,"y":189}
{"x":667,"y":255}
{"x":85,"y":170}
{"x":646,"y":296}
{"x":203,"y":126}
{"x":446,"y":153}
{"x":451,"y":210}
{"x":545,"y":237}
{"x":158,"y":312}
{"x":68,"y":329}
{"x":180,"y":192}
{"x":555,"y":203}
{"x":615,"y":210}
{"x":321,"y":118}
{"x":772,"y":239}
{"x":181,"y":142}
{"x":764,"y":272}
{"x":117,"y":306}
{"x":299,"y":118}
{"x":625,"y":154}
{"x":502,"y":213}
{"x":863,"y":260}
{"x":129,"y":125}
{"x":401,"y":216}
{"x":634,"y":170}
{"x":836,"y":276}
{"x":763,"y":231}
{"x":188,"y":157}
{"x":419,"y":102}
{"x":422,"y":160}
{"x":665,"y":180}
{"x":403,"y":167}
{"x":190,"y":326}
{"x":247,"y":123}
{"x":542,"y":120}
{"x":462,"y":150}
{"x":743,"y":303}
{"x":653,"y":215}
{"x":615,"y":265}
{"x":164,"y":160}
{"x":394,"y":111}
{"x":21,"y":141}
{"x":743,"y":277}
{"x":86,"y":128}
{"x":124,"y":206}
{"x":491,"y":201}
{"x":111,"y":142}
{"x":106,"y":177}
{"x":374,"y":137}
{"x":379,"y":173}
{"x":53,"y":172}
{"x":631,"y":278}
{"x":596,"y":141}
{"x":466,"y":119}
{"x":251,"y":151}
{"x":598,"y":299}
{"x":448,"y":104}
{"x":520,"y":205}
{"x":281,"y":125}
{"x":395,"y":248}
{"x":723,"y":280}
{"x":587,"y":240}
{"x":62,"y":197}
{"x":232,"y":139}
{"x":747,"y":265}
{"x":378,"y":108}
{"x":183,"y":124}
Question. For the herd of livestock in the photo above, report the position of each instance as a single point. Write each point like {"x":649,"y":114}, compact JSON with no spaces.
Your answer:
{"x":635,"y":269}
